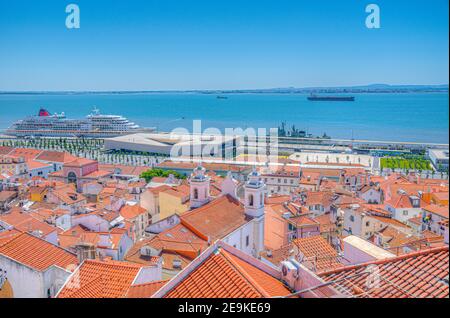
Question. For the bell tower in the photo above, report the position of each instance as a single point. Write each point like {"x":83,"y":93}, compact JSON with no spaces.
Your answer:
{"x":254,"y":195}
{"x":199,"y":184}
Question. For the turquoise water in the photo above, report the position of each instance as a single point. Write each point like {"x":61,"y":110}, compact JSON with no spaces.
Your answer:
{"x":398,"y":117}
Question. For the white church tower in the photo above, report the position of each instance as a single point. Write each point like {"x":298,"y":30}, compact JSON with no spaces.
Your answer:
{"x":254,"y":207}
{"x":254,"y":195}
{"x":199,"y":184}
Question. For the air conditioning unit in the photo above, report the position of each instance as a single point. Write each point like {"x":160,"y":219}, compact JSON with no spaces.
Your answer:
{"x":289,"y":273}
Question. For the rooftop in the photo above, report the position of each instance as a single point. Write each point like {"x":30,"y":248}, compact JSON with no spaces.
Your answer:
{"x":100,"y":279}
{"x":36,"y":253}
{"x":223,"y":274}
{"x":217,"y":218}
{"x":418,"y":274}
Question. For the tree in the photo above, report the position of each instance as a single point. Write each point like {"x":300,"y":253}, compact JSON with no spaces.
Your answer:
{"x":150,"y":174}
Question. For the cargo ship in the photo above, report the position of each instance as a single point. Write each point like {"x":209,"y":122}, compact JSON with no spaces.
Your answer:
{"x":94,"y":125}
{"x":331,"y":98}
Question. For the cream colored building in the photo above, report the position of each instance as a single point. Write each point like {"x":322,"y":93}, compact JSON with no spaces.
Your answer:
{"x":12,"y":166}
{"x":173,"y":201}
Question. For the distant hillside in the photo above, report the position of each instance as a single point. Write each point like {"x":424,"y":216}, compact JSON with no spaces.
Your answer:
{"x":372,"y":88}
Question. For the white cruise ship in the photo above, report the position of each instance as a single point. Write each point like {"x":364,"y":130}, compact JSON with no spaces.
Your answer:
{"x":95,"y":125}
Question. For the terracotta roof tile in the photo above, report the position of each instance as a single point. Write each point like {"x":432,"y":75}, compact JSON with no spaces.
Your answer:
{"x":36,"y":253}
{"x":436,"y":209}
{"x":100,"y":279}
{"x":145,"y":290}
{"x":217,"y":218}
{"x":26,"y":222}
{"x":224,"y":275}
{"x":317,"y":253}
{"x":418,"y":274}
{"x":132,"y":211}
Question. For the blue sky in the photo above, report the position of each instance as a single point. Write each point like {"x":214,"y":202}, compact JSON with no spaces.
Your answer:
{"x":218,"y":44}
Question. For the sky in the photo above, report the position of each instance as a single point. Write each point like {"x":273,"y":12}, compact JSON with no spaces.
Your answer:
{"x":220,"y":44}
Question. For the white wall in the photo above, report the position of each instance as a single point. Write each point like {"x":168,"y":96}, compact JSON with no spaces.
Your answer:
{"x":30,"y":283}
{"x":254,"y":230}
{"x":92,"y":222}
{"x":25,"y":282}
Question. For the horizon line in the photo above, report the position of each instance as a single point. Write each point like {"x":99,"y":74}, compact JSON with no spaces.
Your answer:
{"x":374,"y":86}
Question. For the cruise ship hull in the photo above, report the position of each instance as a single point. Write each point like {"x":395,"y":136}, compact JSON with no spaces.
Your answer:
{"x":70,"y":133}
{"x":94,"y":125}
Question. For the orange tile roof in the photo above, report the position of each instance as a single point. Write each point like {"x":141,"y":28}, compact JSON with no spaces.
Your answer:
{"x":8,"y":234}
{"x":217,"y":218}
{"x":323,"y":198}
{"x":100,"y":279}
{"x":436,"y":209}
{"x":145,"y":290}
{"x":97,"y":174}
{"x":326,"y":225}
{"x":418,"y":274}
{"x":26,"y":222}
{"x":68,"y":195}
{"x":441,"y":195}
{"x":79,"y":162}
{"x":402,"y":201}
{"x":26,"y":153}
{"x":158,"y":189}
{"x":394,"y":238}
{"x":123,"y":169}
{"x":36,"y":253}
{"x":7,"y":195}
{"x":32,"y":164}
{"x":224,"y":275}
{"x":317,"y":251}
{"x":277,"y":199}
{"x":390,"y":221}
{"x":132,"y":211}
{"x":302,"y":220}
{"x":78,"y":234}
{"x":177,"y":242}
{"x":56,"y":156}
{"x":278,"y":255}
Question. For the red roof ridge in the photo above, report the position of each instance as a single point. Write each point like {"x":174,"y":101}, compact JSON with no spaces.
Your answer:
{"x":151,"y":282}
{"x":114,"y":263}
{"x":192,"y":228}
{"x":386,"y":260}
{"x":244,"y":273}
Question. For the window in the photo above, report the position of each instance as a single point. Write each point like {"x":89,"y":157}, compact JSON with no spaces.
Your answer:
{"x":247,"y":240}
{"x":405,"y":212}
{"x":72,"y":177}
{"x":367,"y":223}
{"x":195,"y":193}
{"x":352,"y":218}
{"x":250,"y":200}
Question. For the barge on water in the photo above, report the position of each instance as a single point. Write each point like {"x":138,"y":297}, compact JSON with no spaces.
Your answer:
{"x":331,"y":98}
